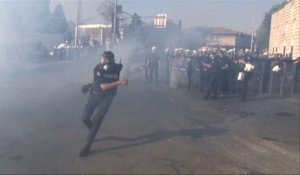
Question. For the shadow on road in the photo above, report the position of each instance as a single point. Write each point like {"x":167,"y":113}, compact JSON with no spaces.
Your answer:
{"x":159,"y":136}
{"x":266,"y":97}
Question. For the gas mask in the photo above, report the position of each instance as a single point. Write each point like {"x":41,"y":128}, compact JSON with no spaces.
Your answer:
{"x":106,"y":67}
{"x":106,"y":64}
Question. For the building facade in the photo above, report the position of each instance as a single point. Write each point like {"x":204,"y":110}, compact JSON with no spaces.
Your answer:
{"x":285,"y":31}
{"x":229,"y":39}
{"x":98,"y":32}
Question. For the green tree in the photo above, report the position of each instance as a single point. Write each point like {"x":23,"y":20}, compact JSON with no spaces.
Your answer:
{"x":70,"y":31}
{"x":106,"y":10}
{"x":263,"y":32}
{"x":59,"y":22}
{"x":25,"y":16}
{"x":133,"y":30}
{"x":32,"y":16}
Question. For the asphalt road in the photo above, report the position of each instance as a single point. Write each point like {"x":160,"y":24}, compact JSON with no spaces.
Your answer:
{"x":148,"y":129}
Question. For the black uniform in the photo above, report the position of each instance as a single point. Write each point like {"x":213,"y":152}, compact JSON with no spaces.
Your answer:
{"x":99,"y":101}
{"x":296,"y":88}
{"x":190,"y":72}
{"x":214,"y":79}
{"x":244,"y":83}
{"x":226,"y":76}
{"x":204,"y":73}
{"x":153,"y":64}
{"x":168,"y":67}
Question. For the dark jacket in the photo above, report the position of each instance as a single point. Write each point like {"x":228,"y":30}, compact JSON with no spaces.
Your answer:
{"x":104,"y":74}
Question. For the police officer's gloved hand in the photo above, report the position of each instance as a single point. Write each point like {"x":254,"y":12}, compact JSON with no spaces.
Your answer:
{"x":86,"y":88}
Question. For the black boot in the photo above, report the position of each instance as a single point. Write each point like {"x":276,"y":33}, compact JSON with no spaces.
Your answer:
{"x":88,"y":123}
{"x":205,"y":97}
{"x":84,"y":152}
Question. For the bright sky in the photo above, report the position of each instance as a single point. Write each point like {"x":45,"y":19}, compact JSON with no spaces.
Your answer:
{"x":241,"y":15}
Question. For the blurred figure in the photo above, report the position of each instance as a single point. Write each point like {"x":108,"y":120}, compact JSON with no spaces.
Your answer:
{"x":296,"y":63}
{"x":101,"y":94}
{"x":152,"y":63}
{"x":244,"y":76}
{"x":168,"y":58}
{"x":147,"y":63}
{"x":214,"y":77}
{"x":204,"y":71}
{"x":189,"y":69}
{"x":224,"y":85}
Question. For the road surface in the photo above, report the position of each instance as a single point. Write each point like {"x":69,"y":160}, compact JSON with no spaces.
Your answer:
{"x":148,"y":129}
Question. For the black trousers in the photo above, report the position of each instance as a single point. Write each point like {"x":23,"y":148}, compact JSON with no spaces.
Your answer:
{"x":168,"y":68}
{"x":204,"y":81}
{"x":190,"y":80}
{"x":93,"y":114}
{"x":213,"y":85}
{"x":244,"y":87}
{"x":153,"y":72}
{"x":146,"y":72}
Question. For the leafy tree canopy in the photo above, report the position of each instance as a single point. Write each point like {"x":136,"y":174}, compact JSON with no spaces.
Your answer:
{"x":263,"y":32}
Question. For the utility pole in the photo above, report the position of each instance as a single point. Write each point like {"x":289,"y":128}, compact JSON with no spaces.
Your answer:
{"x":252,"y":33}
{"x":115,"y":23}
{"x":77,"y":22}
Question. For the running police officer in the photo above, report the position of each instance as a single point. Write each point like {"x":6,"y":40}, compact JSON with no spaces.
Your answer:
{"x":101,"y":94}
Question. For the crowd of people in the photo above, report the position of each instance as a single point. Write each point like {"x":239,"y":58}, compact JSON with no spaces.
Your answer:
{"x":216,"y":72}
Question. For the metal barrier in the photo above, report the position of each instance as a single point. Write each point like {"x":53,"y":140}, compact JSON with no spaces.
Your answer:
{"x":282,"y":82}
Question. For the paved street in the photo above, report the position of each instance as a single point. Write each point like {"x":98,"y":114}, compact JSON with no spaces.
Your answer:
{"x":148,"y":129}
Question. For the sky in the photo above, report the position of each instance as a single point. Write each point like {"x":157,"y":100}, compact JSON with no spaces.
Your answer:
{"x":240,"y":15}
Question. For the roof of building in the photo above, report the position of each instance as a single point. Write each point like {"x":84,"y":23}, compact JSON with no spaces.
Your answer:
{"x":93,"y":26}
{"x":222,"y":30}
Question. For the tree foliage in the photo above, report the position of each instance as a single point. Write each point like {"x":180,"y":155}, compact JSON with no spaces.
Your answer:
{"x":59,"y":21}
{"x":70,"y":31}
{"x":106,"y":10}
{"x":263,"y":32}
{"x":32,"y":16}
{"x":134,"y":28}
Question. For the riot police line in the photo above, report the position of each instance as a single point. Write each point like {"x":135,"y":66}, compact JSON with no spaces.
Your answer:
{"x":218,"y":73}
{"x":65,"y":51}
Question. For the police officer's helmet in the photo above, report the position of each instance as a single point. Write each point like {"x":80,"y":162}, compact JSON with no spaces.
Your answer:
{"x":109,"y":55}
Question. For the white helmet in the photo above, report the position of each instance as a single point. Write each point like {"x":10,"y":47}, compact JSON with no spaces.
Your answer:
{"x":153,"y":48}
{"x":194,"y":53}
{"x":188,"y":52}
{"x":167,"y":50}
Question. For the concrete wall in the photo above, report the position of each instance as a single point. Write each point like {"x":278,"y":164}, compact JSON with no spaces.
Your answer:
{"x":285,"y":30}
